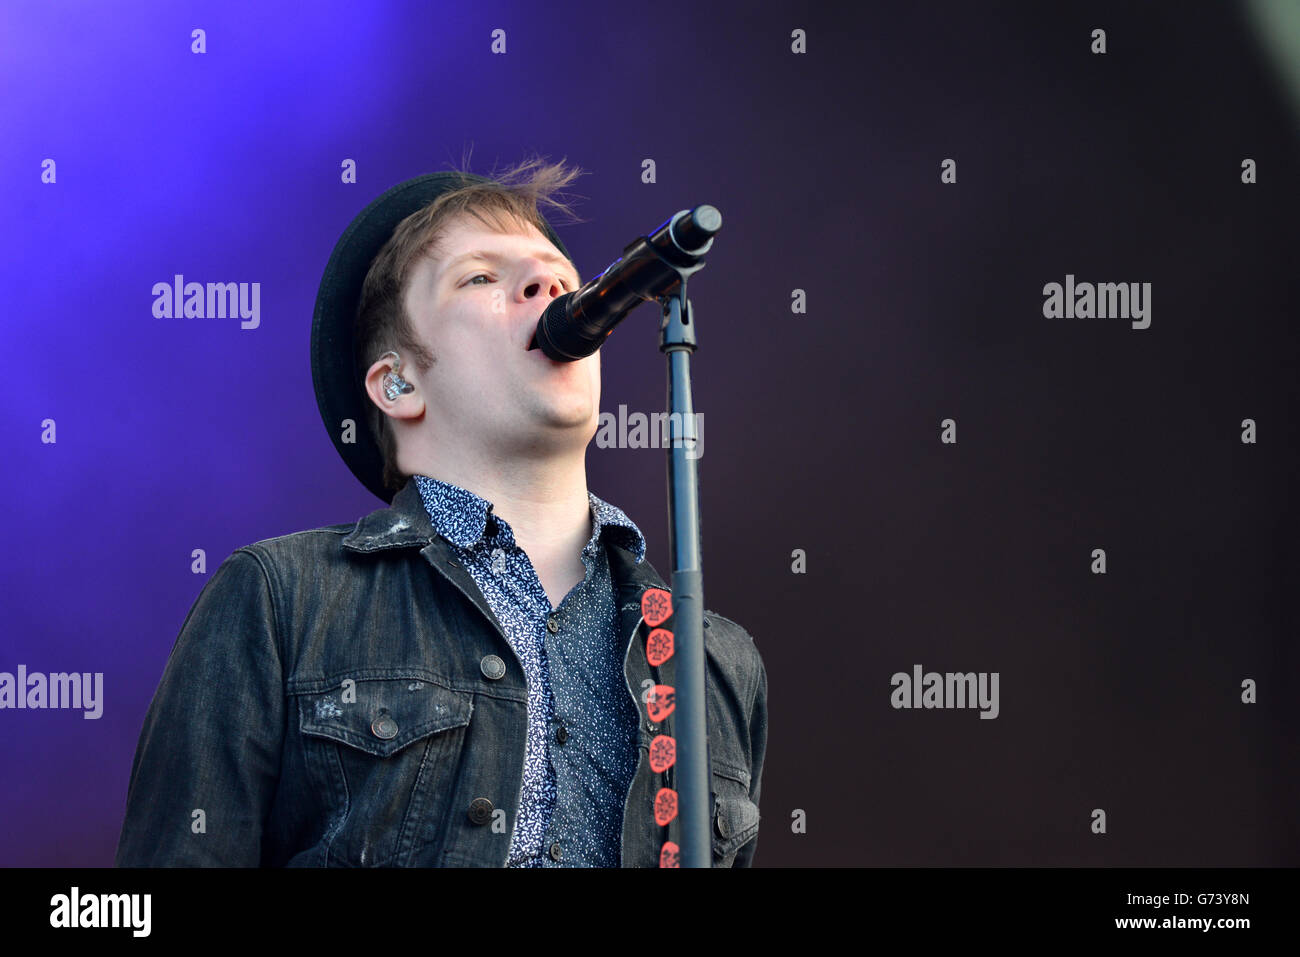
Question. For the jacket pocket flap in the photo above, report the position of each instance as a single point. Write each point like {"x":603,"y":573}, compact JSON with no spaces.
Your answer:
{"x":735,"y":821}
{"x":735,"y":816}
{"x":382,"y":716}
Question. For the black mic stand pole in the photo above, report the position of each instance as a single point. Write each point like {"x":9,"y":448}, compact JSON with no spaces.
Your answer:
{"x":677,"y":341}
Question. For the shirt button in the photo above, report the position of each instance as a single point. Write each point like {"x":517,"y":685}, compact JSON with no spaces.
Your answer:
{"x":552,"y":624}
{"x":498,"y":561}
{"x":480,"y":810}
{"x":555,"y":851}
{"x":384,"y":727}
{"x":492,"y":667}
{"x":562,"y":734}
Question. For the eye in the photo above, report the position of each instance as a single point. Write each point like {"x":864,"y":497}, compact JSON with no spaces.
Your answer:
{"x":481,"y":275}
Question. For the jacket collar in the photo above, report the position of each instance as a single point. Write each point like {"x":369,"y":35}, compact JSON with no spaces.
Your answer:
{"x":403,"y":524}
{"x":406,"y":524}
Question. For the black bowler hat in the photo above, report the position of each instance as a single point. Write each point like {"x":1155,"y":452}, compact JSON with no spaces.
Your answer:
{"x":339,"y":394}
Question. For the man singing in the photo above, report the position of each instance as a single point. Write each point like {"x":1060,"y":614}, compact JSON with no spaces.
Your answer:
{"x":481,"y":674}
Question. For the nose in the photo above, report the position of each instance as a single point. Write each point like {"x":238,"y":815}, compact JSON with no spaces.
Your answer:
{"x":543,"y":278}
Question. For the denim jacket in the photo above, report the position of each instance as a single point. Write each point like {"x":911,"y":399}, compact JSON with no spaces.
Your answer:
{"x":336,"y":697}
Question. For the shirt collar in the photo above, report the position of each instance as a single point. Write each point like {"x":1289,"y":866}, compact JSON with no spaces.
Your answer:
{"x":467,"y":519}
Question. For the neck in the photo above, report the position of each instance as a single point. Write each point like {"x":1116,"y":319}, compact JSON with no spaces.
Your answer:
{"x":543,"y":499}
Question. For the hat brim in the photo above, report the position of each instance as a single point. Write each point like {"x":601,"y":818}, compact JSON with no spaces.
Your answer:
{"x":339,"y":394}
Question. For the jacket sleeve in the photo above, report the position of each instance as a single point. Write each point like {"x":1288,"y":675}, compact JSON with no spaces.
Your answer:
{"x":758,"y":751}
{"x":208,"y":759}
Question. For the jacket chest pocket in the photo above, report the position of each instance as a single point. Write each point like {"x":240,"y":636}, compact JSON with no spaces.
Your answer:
{"x":734,"y":816}
{"x":383,"y":753}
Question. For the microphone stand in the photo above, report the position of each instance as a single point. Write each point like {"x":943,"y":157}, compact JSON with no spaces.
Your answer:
{"x":657,"y":267}
{"x":677,"y":341}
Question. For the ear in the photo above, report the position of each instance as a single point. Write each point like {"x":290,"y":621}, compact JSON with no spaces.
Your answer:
{"x":408,"y":406}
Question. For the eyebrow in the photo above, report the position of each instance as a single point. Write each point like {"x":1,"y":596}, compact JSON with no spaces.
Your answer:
{"x":491,"y":257}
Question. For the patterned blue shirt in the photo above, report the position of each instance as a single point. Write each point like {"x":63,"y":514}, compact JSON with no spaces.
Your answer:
{"x":582,"y":723}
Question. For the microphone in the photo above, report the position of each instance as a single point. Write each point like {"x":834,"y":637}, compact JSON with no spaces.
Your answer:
{"x":576,"y":324}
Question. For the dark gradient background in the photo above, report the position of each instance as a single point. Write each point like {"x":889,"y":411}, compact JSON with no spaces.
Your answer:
{"x":822,"y":431}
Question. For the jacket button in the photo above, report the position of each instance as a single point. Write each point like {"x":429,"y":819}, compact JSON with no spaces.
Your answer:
{"x":492,"y":667}
{"x":561,"y":734}
{"x":384,"y":727}
{"x":721,"y":822}
{"x":555,"y":851}
{"x":552,"y":624}
{"x":480,"y":810}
